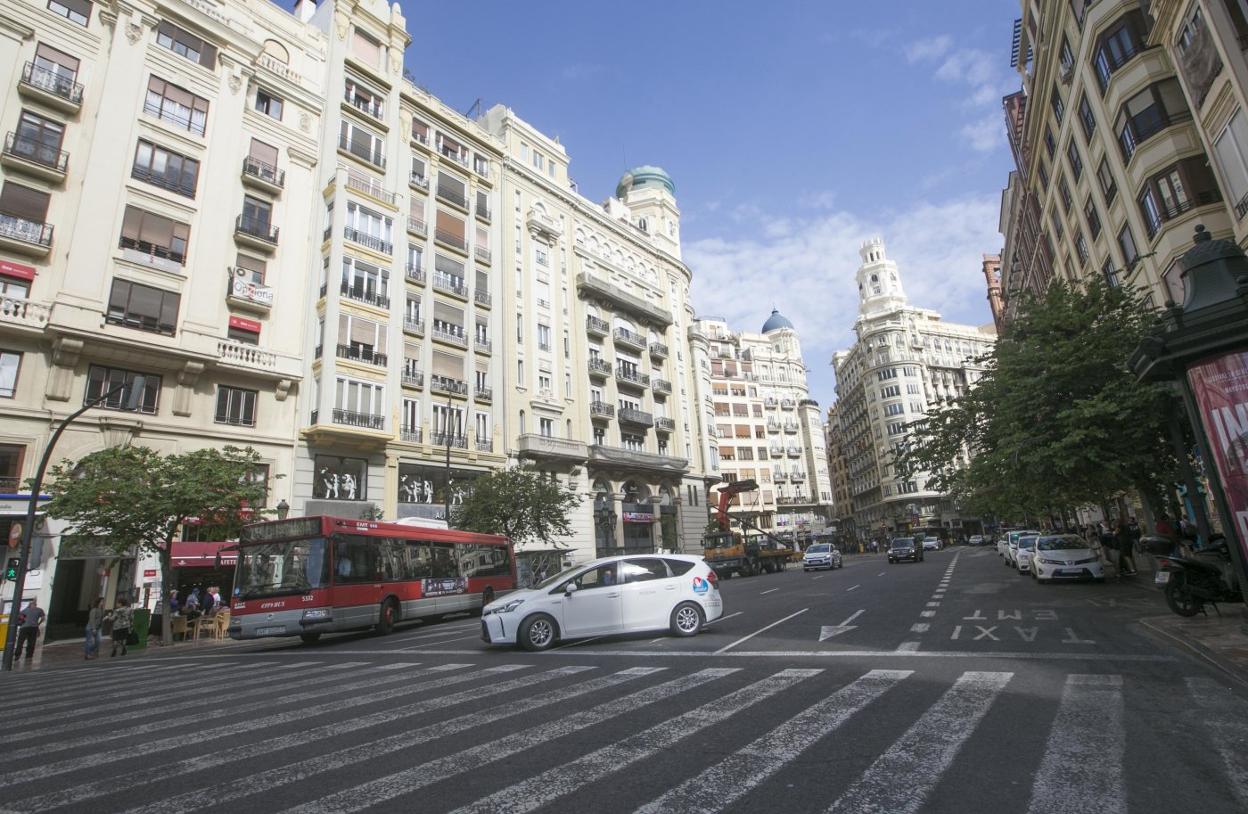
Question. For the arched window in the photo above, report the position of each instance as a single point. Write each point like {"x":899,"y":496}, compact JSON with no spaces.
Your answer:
{"x":522,"y":422}
{"x":277,"y":51}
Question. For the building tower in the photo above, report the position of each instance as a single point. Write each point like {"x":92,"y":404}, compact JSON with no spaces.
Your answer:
{"x":879,"y":286}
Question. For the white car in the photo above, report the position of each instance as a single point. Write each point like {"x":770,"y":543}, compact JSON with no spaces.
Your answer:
{"x":931,"y":544}
{"x":1022,"y":553}
{"x":1008,"y":544}
{"x":821,"y":555}
{"x":975,"y":540}
{"x":1065,"y":556}
{"x":629,"y":594}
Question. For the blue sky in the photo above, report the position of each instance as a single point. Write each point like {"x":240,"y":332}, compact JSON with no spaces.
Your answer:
{"x":794,"y":130}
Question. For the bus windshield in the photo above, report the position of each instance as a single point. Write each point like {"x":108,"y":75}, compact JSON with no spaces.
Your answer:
{"x":277,"y":569}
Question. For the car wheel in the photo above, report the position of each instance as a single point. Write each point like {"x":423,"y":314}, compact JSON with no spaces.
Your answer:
{"x":386,"y":618}
{"x":686,"y":619}
{"x":310,"y":638}
{"x":538,"y":632}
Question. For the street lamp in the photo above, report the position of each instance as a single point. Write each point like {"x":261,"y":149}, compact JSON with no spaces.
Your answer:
{"x":1203,"y":346}
{"x":283,"y":509}
{"x":137,"y":385}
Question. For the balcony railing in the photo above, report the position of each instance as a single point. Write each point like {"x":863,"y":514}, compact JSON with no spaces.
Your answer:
{"x":600,"y":409}
{"x":485,"y":444}
{"x":10,"y":484}
{"x":787,"y":404}
{"x":794,"y":452}
{"x":658,"y":349}
{"x":452,"y":337}
{"x":599,"y":367}
{"x":636,"y":417}
{"x":370,"y":187}
{"x":150,"y":249}
{"x":630,"y":377}
{"x":446,"y":439}
{"x":484,"y":394}
{"x":52,"y":82}
{"x":410,"y":434}
{"x":35,"y":151}
{"x":770,"y":401}
{"x":665,"y":424}
{"x":269,"y":174}
{"x":368,"y":296}
{"x":661,"y":386}
{"x":594,"y":325}
{"x":452,"y":196}
{"x":354,"y":419}
{"x":790,"y":427}
{"x":449,"y":284}
{"x":373,"y":157}
{"x":627,"y":337}
{"x":483,"y":345}
{"x":450,"y":239}
{"x":798,"y":476}
{"x":1166,"y":213}
{"x":365,"y":239}
{"x":411,"y":377}
{"x":171,"y":114}
{"x":258,"y":228}
{"x":360,"y":354}
{"x":415,"y":274}
{"x":445,"y":384}
{"x":482,"y":253}
{"x":483,"y":212}
{"x":459,"y":156}
{"x":370,"y":107}
{"x":482,"y":298}
{"x":418,"y":227}
{"x":419,"y":181}
{"x":27,"y":231}
{"x":773,"y":426}
{"x":21,"y":311}
{"x":414,"y":326}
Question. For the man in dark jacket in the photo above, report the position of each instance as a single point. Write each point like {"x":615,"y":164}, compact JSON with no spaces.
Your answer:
{"x":1126,"y":547}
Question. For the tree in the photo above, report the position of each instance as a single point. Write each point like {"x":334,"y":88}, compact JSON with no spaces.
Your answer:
{"x":135,"y":497}
{"x":1057,"y":420}
{"x":522,"y":504}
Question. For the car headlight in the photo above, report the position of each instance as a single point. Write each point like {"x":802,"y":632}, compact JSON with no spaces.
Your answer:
{"x":1050,"y":562}
{"x":507,"y":608}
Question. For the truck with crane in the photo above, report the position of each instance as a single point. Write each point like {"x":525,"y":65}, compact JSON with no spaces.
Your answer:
{"x":731,"y":552}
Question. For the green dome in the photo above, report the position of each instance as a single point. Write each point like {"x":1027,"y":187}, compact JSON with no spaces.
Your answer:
{"x":644,"y":176}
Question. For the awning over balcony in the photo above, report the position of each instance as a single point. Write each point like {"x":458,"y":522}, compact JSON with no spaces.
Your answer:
{"x":204,"y":555}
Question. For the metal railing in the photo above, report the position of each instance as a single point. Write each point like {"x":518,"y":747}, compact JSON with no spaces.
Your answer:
{"x":624,"y":375}
{"x":637,"y":417}
{"x":354,"y":419}
{"x":410,"y":434}
{"x":661,"y":386}
{"x":419,"y":181}
{"x":415,"y":274}
{"x":370,"y":187}
{"x":35,"y":151}
{"x":453,"y":285}
{"x":658,"y":349}
{"x":412,"y":377}
{"x":450,"y":239}
{"x":600,"y":409}
{"x":52,"y":82}
{"x":169,"y":114}
{"x":417,"y":226}
{"x":484,"y":394}
{"x":264,"y":172}
{"x":445,"y":384}
{"x":360,"y":354}
{"x":373,"y":157}
{"x":454,"y":338}
{"x":446,"y":439}
{"x":482,"y":298}
{"x":256,"y":227}
{"x":485,"y":444}
{"x":371,"y":107}
{"x":628,"y":337}
{"x":452,"y":196}
{"x":143,"y":246}
{"x":665,"y":424}
{"x":482,"y":253}
{"x":484,"y":345}
{"x":364,"y":295}
{"x":598,"y":326}
{"x":365,"y":239}
{"x":415,"y":326}
{"x":599,"y":367}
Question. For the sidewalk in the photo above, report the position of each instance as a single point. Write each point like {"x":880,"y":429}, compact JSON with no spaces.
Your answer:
{"x":1218,"y":640}
{"x":68,"y":653}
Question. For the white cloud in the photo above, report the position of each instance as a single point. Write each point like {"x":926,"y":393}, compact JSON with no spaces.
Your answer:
{"x":983,"y":77}
{"x":807,"y":271}
{"x":985,"y":135}
{"x":929,"y":48}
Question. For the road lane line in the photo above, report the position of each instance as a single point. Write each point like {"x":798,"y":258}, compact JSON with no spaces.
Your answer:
{"x":728,"y":647}
{"x":388,"y":787}
{"x":817,"y":576}
{"x":565,"y":779}
{"x":925,"y":751}
{"x":882,"y":573}
{"x":853,"y":616}
{"x":722,"y":618}
{"x":1082,"y":768}
{"x":920,"y":627}
{"x":768,"y":591}
{"x":907,"y":647}
{"x":933,"y":604}
{"x":927,"y":614}
{"x":1225,"y":718}
{"x":856,"y":587}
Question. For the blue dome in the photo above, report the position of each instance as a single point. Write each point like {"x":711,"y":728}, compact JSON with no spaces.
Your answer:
{"x":644,"y":176}
{"x":777,"y":321}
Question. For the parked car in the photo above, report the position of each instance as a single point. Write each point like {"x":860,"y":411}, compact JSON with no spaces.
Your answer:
{"x":1065,"y":556}
{"x":976,"y":539}
{"x":1022,"y":554}
{"x":1009,"y":544}
{"x":622,"y":594}
{"x":822,"y":555}
{"x":931,"y":543}
{"x":904,"y":548}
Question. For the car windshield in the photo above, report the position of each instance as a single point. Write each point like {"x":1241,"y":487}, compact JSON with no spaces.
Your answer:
{"x":276,"y":569}
{"x":1060,"y":544}
{"x":1027,"y":542}
{"x":821,"y":548}
{"x":903,"y":542}
{"x":550,"y":582}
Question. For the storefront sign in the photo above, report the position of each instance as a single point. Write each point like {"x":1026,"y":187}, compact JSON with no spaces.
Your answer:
{"x":203,"y":555}
{"x":10,"y":269}
{"x":638,"y":517}
{"x":1220,"y":387}
{"x":149,"y":573}
{"x":249,"y":325}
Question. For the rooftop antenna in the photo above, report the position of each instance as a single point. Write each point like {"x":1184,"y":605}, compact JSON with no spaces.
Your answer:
{"x":476,"y":107}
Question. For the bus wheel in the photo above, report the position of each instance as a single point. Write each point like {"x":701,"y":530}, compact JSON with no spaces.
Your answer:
{"x":387,"y":617}
{"x":310,"y":638}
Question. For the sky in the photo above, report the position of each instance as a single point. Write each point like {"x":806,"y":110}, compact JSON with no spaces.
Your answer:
{"x":793,"y":131}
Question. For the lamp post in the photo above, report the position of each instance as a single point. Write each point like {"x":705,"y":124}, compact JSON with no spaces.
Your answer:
{"x":19,"y":581}
{"x":283,"y":509}
{"x":1203,"y":346}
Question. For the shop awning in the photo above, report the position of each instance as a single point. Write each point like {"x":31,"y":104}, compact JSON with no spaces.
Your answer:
{"x":204,"y":555}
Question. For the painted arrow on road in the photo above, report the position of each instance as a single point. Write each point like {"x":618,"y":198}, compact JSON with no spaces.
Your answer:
{"x":828,"y":631}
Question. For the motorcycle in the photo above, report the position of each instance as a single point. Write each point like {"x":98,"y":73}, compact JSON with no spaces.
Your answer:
{"x":1203,"y":578}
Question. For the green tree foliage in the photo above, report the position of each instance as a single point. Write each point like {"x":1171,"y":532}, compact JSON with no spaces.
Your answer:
{"x":522,"y":504}
{"x":129,"y":497}
{"x":1057,"y":419}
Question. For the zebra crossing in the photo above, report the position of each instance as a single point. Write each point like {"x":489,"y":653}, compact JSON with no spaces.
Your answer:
{"x":309,"y":736}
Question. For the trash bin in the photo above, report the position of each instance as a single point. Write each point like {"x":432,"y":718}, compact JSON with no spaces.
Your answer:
{"x":142,"y":621}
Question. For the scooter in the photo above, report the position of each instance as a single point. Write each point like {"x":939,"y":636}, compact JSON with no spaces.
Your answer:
{"x":1203,"y":578}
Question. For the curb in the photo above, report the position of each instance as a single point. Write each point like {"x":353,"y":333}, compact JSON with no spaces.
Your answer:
{"x":1205,"y":654}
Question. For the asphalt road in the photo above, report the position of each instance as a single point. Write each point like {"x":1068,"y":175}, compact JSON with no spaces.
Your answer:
{"x":951,"y":685}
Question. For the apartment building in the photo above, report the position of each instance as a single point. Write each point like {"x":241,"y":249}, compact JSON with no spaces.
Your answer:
{"x":600,"y":382}
{"x":904,"y":360}
{"x":1122,"y":107}
{"x":767,"y":427}
{"x":838,"y":473}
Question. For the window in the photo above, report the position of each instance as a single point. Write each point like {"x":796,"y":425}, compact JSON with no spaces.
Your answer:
{"x":1106,"y":179}
{"x":1050,"y":145}
{"x":236,"y":406}
{"x":77,"y":11}
{"x":101,"y":380}
{"x":544,"y":383}
{"x":1126,"y":242}
{"x":39,"y":140}
{"x":360,"y":399}
{"x":362,"y":142}
{"x":1058,"y":229}
{"x":1092,"y":217}
{"x":361,"y":339}
{"x":340,"y":478}
{"x":245,"y":331}
{"x":1081,"y":246}
{"x":11,"y":456}
{"x":262,"y":162}
{"x":1110,"y":273}
{"x":538,"y":161}
{"x":1059,"y":107}
{"x":1120,"y":42}
{"x":154,"y":235}
{"x":364,"y":98}
{"x":186,"y":44}
{"x":143,"y":307}
{"x":543,"y":336}
{"x":257,"y":217}
{"x":23,"y":213}
{"x":365,"y":48}
{"x":1066,"y":55}
{"x":1147,"y":113}
{"x":269,"y":104}
{"x":546,"y":426}
{"x":155,"y":165}
{"x":1076,"y":162}
{"x":1086,"y":118}
{"x":1044,"y":173}
{"x":369,"y":228}
{"x":1231,"y":151}
{"x":1064,"y":189}
{"x":10,"y":363}
{"x":1175,"y":190}
{"x":894,"y":409}
{"x":177,"y":106}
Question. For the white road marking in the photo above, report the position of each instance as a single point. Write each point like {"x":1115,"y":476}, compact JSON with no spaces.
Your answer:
{"x":727,"y":781}
{"x":1081,"y":772}
{"x":382,"y":789}
{"x":817,"y":576}
{"x":769,"y":591}
{"x":1225,"y":718}
{"x":920,"y":627}
{"x":576,"y":643}
{"x":933,"y":604}
{"x":722,"y":618}
{"x":856,"y":587}
{"x":882,"y":573}
{"x":925,"y":751}
{"x":789,"y":654}
{"x":728,"y":647}
{"x":828,"y":631}
{"x":416,"y":648}
{"x":907,"y":647}
{"x":927,"y":614}
{"x":565,"y":779}
{"x":1071,"y":638}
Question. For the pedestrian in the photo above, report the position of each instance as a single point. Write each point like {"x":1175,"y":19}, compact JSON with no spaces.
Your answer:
{"x":174,"y":604}
{"x":208,"y":603}
{"x":216,"y":599}
{"x":123,"y":619}
{"x":28,"y":629}
{"x":95,"y":620}
{"x":1126,"y":562}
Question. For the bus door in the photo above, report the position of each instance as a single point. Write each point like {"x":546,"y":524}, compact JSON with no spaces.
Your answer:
{"x":358,"y":580}
{"x":447,"y":586}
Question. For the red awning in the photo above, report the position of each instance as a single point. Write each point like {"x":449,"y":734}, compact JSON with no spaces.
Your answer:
{"x":203,"y":555}
{"x":22,"y":272}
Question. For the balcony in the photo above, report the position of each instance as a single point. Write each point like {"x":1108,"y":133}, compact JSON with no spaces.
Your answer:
{"x":773,"y":426}
{"x":448,"y":386}
{"x":32,"y":157}
{"x":628,"y":377}
{"x":794,"y":452}
{"x":263,"y":176}
{"x":797,"y":477}
{"x":597,"y":327}
{"x":164,"y":181}
{"x":51,"y":88}
{"x":1170,"y":212}
{"x":664,"y":424}
{"x":636,"y":460}
{"x":418,"y":227}
{"x":543,"y":447}
{"x":372,"y":188}
{"x":368,"y":421}
{"x":454,"y":152}
{"x":368,"y":296}
{"x":483,"y":214}
{"x":452,"y":196}
{"x":776,"y":451}
{"x":658,"y":350}
{"x":482,"y":254}
{"x":780,"y":476}
{"x":484,"y":394}
{"x":771,"y":401}
{"x":587,"y":284}
{"x":787,"y":404}
{"x":414,"y":326}
{"x":242,"y":291}
{"x":636,"y":418}
{"x":483,"y":345}
{"x":242,"y":354}
{"x":410,"y":434}
{"x":19,"y":312}
{"x":790,"y":427}
{"x":369,"y":106}
{"x":446,"y":439}
{"x":662,"y":387}
{"x":599,"y":368}
{"x":25,"y":236}
{"x":415,"y":274}
{"x":450,"y":285}
{"x":623,"y":336}
{"x":449,"y":336}
{"x":361,"y":152}
{"x":357,"y":353}
{"x":255,"y":232}
{"x":600,"y":409}
{"x":451,"y":240}
{"x":367,"y":241}
{"x":411,"y":376}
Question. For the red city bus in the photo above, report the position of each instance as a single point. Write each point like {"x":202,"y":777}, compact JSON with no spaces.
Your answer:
{"x":313,"y":575}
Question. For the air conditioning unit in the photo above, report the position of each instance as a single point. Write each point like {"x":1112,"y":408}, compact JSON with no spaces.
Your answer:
{"x":240,"y":271}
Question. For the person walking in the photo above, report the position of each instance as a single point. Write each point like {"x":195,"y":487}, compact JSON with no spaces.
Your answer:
{"x":95,"y":620}
{"x":28,"y":629}
{"x":123,"y":620}
{"x":1126,"y":546}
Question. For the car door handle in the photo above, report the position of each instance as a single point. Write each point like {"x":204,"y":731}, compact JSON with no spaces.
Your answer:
{"x":670,"y":588}
{"x":613,"y":596}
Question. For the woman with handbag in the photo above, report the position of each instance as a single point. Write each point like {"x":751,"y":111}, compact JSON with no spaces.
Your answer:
{"x":123,"y":620}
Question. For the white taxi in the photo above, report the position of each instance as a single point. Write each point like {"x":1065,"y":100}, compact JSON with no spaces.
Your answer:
{"x":629,"y":594}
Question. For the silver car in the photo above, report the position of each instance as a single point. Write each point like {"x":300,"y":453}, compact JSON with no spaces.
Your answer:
{"x":821,"y":555}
